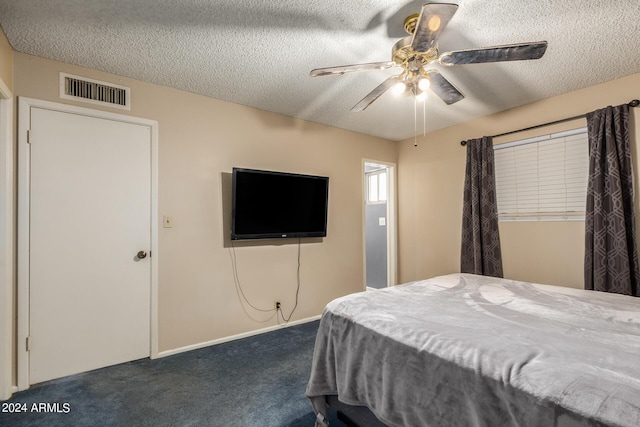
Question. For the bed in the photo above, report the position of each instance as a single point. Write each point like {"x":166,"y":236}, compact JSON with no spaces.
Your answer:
{"x":467,"y":350}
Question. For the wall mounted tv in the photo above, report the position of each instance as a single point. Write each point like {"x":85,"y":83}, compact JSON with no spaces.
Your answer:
{"x":275,"y":205}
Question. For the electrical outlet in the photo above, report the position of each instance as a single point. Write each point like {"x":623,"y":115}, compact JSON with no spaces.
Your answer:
{"x":277,"y":305}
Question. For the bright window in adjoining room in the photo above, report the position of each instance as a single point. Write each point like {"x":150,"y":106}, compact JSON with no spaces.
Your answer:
{"x":543,"y":178}
{"x":377,"y":186}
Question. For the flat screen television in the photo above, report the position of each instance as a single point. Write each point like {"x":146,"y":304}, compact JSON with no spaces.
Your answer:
{"x":275,"y":205}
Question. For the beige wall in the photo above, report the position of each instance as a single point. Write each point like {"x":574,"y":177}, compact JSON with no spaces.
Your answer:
{"x":201,"y":139}
{"x":6,"y":62}
{"x":431,"y":177}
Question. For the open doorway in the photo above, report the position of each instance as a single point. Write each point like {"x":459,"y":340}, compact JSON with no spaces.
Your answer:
{"x":379,"y":224}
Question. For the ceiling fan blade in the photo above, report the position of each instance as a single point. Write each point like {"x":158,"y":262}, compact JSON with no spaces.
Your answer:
{"x":433,"y":18}
{"x":443,"y":88}
{"x":352,"y":68}
{"x":375,"y":94}
{"x":509,"y":52}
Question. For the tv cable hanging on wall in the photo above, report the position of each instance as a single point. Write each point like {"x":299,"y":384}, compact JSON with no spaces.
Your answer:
{"x":278,"y":311}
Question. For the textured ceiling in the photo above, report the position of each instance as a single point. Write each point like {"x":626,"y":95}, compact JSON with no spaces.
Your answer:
{"x":259,"y":53}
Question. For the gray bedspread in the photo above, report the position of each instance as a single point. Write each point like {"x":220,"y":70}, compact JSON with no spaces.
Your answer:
{"x":466,"y":350}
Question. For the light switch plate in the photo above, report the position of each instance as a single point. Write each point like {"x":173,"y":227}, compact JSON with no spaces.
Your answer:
{"x":167,"y":221}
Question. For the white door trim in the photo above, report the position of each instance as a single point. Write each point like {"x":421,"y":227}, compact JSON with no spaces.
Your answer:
{"x":7,"y":255}
{"x":392,"y":223}
{"x":24,"y":120}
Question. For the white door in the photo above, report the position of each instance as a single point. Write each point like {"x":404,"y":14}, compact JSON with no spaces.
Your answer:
{"x":90,"y":215}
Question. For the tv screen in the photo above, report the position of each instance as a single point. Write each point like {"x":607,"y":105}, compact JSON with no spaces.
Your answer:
{"x":271,"y":205}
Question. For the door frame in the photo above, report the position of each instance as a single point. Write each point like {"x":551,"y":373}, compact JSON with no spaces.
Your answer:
{"x":7,"y":253}
{"x":24,"y":161}
{"x":392,"y":223}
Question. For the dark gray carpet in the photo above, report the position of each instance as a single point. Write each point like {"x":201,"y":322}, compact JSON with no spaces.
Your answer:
{"x":256,"y":381}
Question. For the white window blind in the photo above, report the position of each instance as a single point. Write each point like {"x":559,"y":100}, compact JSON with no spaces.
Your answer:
{"x":543,"y":178}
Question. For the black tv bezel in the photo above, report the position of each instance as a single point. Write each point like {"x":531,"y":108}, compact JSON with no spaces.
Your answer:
{"x":263,"y":236}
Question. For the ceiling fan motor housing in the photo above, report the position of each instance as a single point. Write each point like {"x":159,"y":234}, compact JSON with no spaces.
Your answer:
{"x":402,"y":53}
{"x":412,"y":63}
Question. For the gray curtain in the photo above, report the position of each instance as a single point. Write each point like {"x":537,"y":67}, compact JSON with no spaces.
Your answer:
{"x":611,"y":255}
{"x":480,"y":237}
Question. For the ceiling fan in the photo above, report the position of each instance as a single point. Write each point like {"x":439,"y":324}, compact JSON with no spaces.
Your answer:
{"x":416,"y":52}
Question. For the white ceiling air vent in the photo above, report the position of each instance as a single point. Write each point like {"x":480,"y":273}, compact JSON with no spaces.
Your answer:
{"x":94,"y":92}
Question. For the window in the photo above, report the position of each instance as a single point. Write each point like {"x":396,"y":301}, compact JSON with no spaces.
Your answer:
{"x":543,"y":178}
{"x":377,"y":186}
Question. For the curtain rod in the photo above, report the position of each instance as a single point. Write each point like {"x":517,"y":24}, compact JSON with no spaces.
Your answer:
{"x":633,"y":103}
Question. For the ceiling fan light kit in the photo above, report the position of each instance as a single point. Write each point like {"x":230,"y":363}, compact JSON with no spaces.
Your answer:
{"x":417,"y":53}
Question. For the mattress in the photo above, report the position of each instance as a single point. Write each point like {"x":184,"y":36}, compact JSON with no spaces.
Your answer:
{"x":467,"y":350}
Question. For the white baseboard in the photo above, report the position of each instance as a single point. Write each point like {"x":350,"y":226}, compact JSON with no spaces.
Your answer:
{"x":235,"y":337}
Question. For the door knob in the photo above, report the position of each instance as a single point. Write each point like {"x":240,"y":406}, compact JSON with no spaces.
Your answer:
{"x":142,"y":254}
